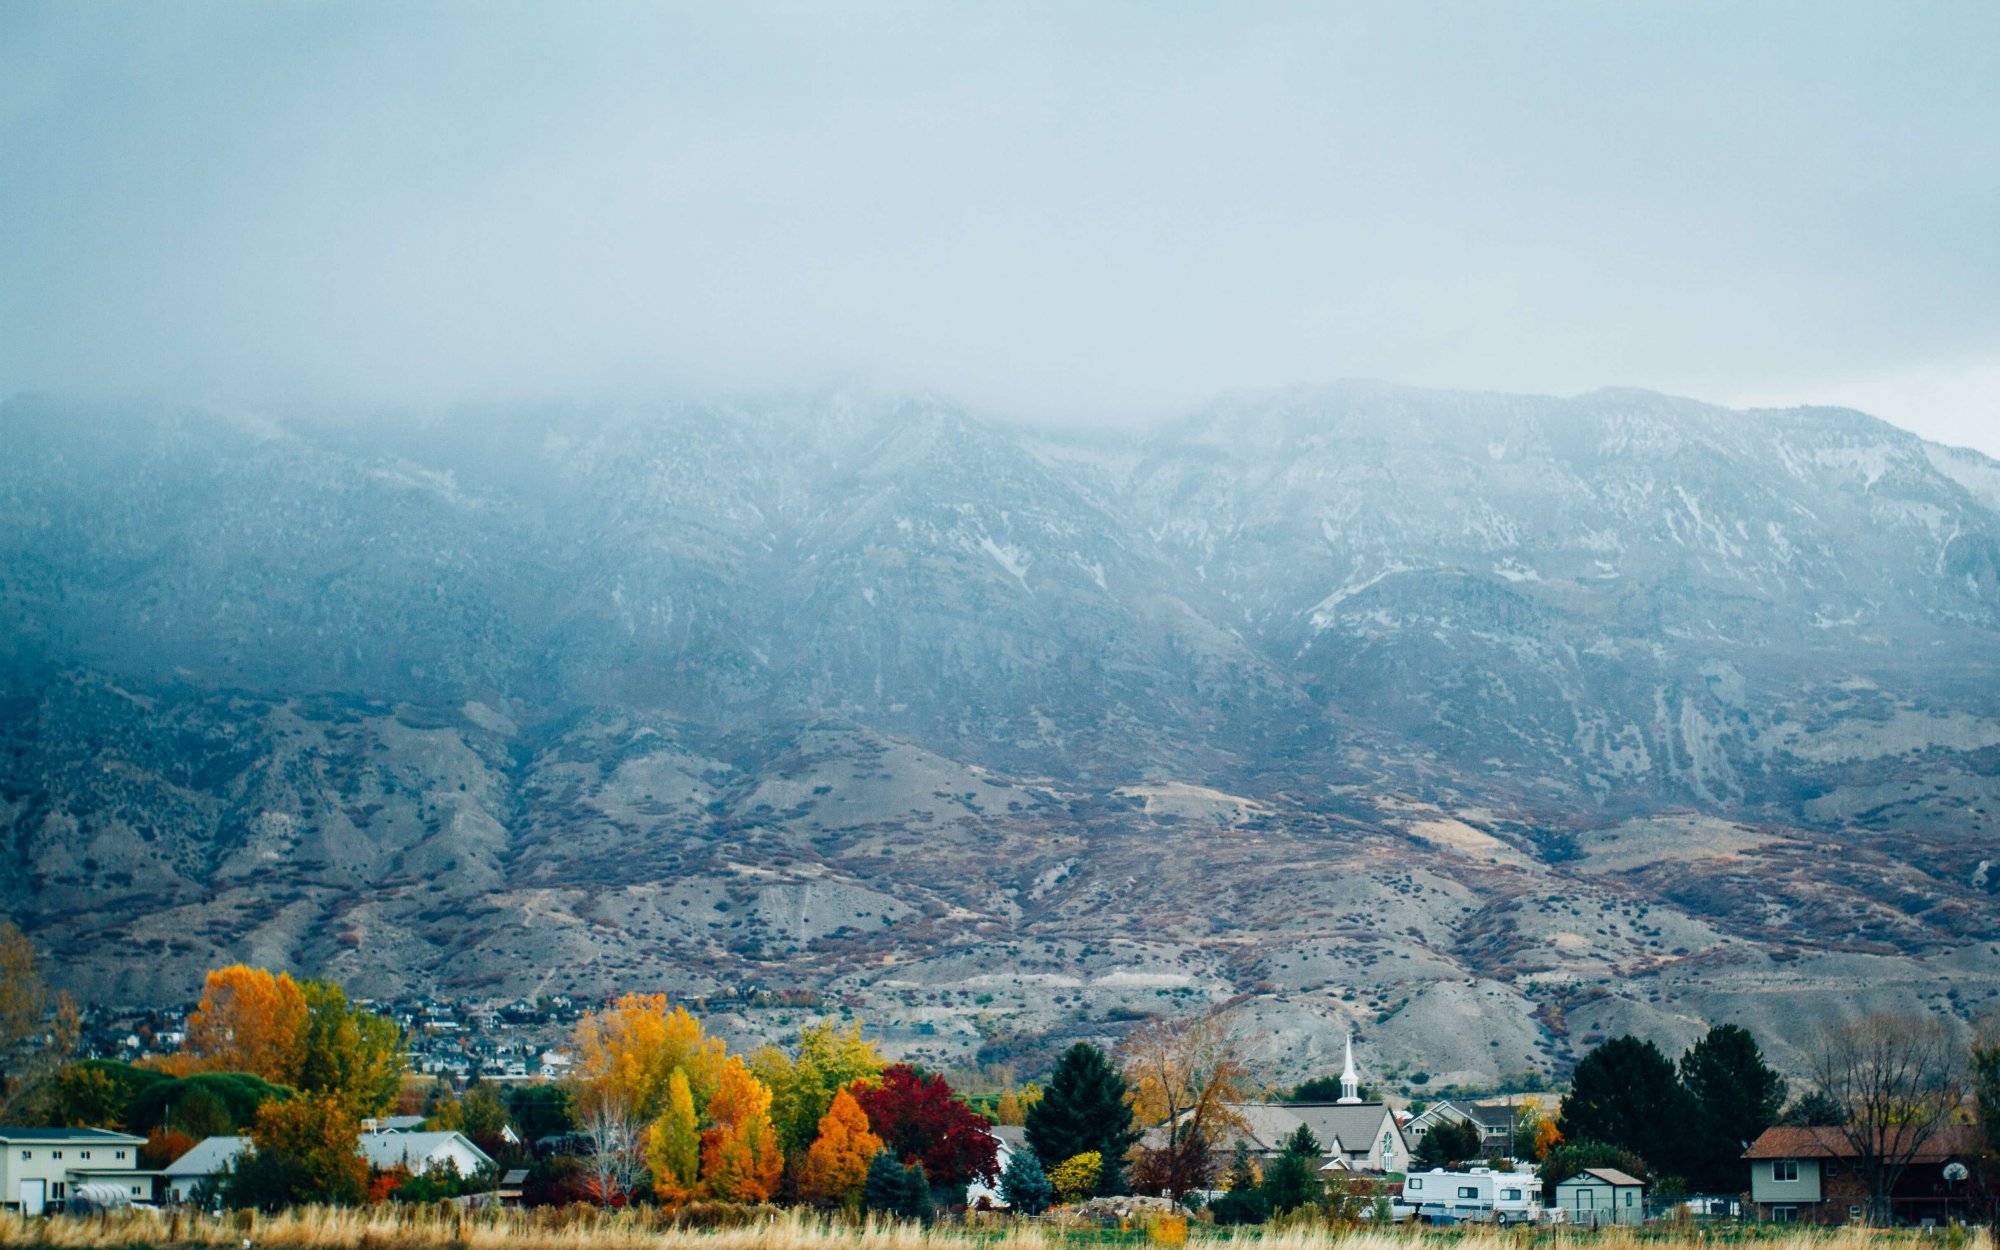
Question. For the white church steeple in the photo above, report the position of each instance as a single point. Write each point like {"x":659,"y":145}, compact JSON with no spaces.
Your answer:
{"x":1350,"y":1084}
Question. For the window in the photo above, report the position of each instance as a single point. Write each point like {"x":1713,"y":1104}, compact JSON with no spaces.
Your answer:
{"x":83,"y":1154}
{"x":56,"y":1190}
{"x":1468,"y":1191}
{"x":27,"y":1154}
{"x":1784,"y":1169}
{"x":55,"y":1154}
{"x":1511,"y":1195}
{"x":1785,"y":1215}
{"x":1414,"y":1182}
{"x":1630,"y":1197}
{"x":118,"y":1154}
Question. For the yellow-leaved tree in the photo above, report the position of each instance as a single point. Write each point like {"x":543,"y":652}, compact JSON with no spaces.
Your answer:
{"x":837,"y":1161}
{"x":627,"y":1053}
{"x":740,"y":1158}
{"x":673,"y":1144}
{"x":827,"y":1059}
{"x":248,"y":1020}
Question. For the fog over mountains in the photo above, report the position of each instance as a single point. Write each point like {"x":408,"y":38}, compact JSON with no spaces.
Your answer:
{"x":1485,"y":723}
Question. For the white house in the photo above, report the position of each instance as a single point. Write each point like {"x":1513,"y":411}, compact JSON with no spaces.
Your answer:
{"x":1474,"y":1194}
{"x":1354,"y":1136}
{"x":40,"y":1165}
{"x":1007,"y":1140}
{"x":203,"y":1166}
{"x":1598,"y":1196}
{"x":418,"y":1153}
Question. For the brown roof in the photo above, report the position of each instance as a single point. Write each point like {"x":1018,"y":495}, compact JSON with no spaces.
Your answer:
{"x":1831,"y":1143}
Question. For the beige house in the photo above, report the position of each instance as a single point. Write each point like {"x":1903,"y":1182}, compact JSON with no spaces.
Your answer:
{"x":1595,"y":1197}
{"x":39,"y":1166}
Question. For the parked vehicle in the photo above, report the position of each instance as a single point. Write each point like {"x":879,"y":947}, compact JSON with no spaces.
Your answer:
{"x":1476,"y":1195}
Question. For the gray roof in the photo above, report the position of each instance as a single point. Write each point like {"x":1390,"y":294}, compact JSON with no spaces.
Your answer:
{"x":1355,"y":1125}
{"x":388,"y":1150}
{"x":65,"y":1136}
{"x":1015,"y":1136}
{"x":209,"y":1156}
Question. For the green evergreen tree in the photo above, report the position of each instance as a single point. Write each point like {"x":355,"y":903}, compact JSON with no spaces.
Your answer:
{"x":882,"y":1192}
{"x":893,"y":1188}
{"x":1444,"y":1144}
{"x":1084,"y":1109}
{"x":1024,"y":1187}
{"x":1735,"y":1096}
{"x":1627,"y":1094}
{"x":1244,"y":1202}
{"x":1293,"y":1180}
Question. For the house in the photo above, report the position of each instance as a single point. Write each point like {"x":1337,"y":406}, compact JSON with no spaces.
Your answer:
{"x":196,"y":1173}
{"x":1354,"y":1136}
{"x":39,"y":1166}
{"x":1496,"y":1124}
{"x":1008,"y":1140}
{"x":1598,"y":1196}
{"x":1474,"y":1194}
{"x":1812,"y":1175}
{"x":418,"y":1153}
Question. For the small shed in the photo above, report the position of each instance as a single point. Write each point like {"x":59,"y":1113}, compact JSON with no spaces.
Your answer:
{"x":1595,"y":1197}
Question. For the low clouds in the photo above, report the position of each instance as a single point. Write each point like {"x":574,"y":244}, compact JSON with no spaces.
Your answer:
{"x":1075,"y":212}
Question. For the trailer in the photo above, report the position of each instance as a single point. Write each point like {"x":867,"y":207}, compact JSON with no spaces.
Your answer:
{"x":1474,"y":1196}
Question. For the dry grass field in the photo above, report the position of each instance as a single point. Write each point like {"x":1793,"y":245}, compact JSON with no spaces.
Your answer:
{"x":385,"y":1228}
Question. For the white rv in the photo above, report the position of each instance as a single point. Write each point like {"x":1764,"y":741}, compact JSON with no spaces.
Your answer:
{"x":1477,"y":1195}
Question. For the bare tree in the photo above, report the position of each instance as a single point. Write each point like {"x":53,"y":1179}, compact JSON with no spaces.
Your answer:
{"x":38,"y":1032}
{"x":616,"y":1138}
{"x":1183,"y":1073}
{"x":1898,"y":1081}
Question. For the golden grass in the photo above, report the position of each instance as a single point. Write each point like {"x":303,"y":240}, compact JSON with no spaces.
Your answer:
{"x":576,"y":1228}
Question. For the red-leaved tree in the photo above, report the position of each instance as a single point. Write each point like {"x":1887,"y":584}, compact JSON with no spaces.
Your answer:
{"x":920,"y":1119}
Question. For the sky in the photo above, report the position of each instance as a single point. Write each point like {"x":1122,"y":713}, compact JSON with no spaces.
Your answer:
{"x":1095,"y":212}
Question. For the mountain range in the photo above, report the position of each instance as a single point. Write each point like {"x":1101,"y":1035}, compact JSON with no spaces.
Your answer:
{"x":1484,"y":725}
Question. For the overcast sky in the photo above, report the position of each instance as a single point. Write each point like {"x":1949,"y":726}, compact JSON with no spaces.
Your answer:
{"x":1090,"y":211}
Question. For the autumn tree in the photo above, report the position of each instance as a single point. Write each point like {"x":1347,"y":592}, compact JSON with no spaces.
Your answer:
{"x":38,"y":1031}
{"x":919,"y":1118}
{"x":673,"y":1146}
{"x":1084,"y":1110}
{"x":1535,"y":1134}
{"x":348,"y":1052}
{"x":1183,"y":1075}
{"x":303,"y":1151}
{"x":740,"y":1159}
{"x":825,"y":1060}
{"x":1898,"y":1081}
{"x":248,"y":1020}
{"x":628,"y":1052}
{"x":1077,"y":1177}
{"x":837,"y":1161}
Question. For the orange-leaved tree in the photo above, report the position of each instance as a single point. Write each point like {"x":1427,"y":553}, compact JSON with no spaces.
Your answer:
{"x":627,"y":1053}
{"x":837,"y":1161}
{"x":248,"y":1020}
{"x":673,"y":1144}
{"x":740,"y":1158}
